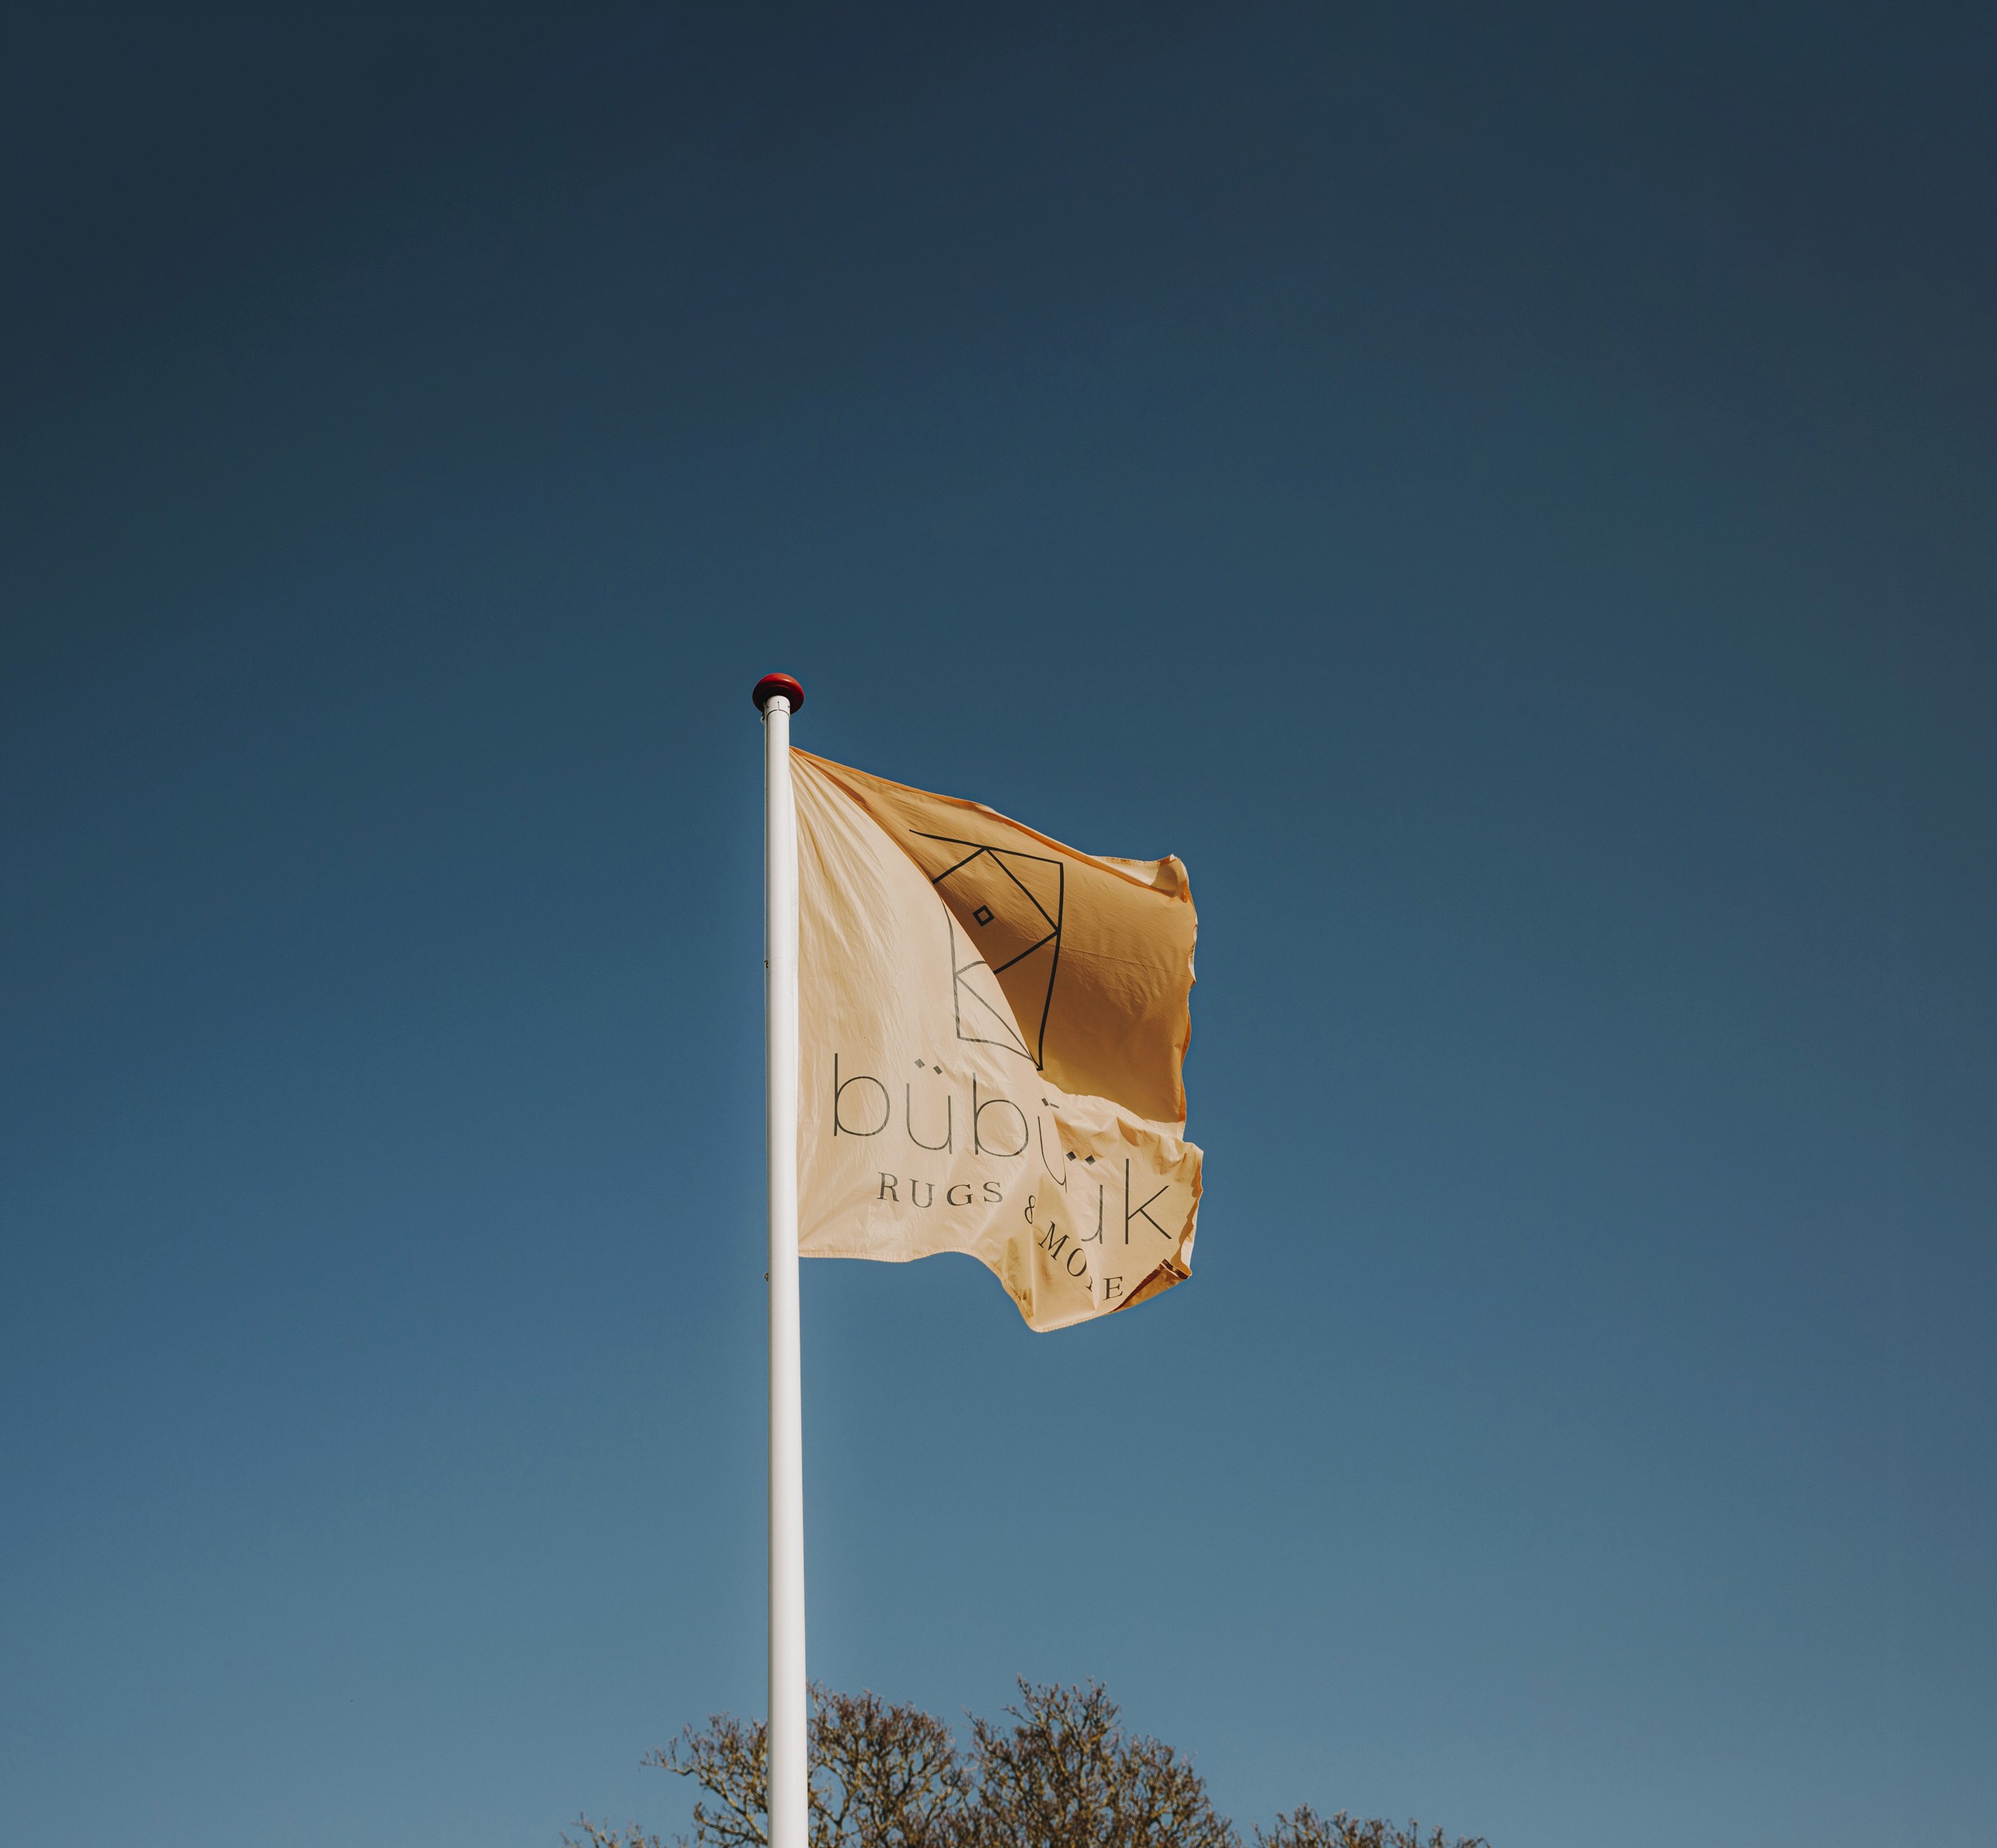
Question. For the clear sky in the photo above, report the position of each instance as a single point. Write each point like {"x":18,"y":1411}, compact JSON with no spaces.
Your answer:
{"x":1505,"y":493}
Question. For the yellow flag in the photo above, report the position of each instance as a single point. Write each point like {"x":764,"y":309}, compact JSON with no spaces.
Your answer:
{"x":992,"y":1028}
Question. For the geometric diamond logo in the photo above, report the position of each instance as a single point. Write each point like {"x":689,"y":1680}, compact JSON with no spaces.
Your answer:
{"x":1004,"y":910}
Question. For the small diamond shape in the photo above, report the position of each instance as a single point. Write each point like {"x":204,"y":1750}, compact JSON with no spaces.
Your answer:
{"x":982,"y":914}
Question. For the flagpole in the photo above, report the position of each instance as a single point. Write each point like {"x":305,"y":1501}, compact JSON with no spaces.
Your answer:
{"x":779,"y":696}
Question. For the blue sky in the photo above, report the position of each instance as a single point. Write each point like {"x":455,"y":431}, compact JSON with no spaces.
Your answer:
{"x":1504,"y":498}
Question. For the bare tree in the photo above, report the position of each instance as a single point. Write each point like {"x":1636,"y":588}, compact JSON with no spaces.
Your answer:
{"x":602,"y":1835}
{"x":730,"y":1760}
{"x":1066,"y":1775}
{"x":1062,"y":1774}
{"x":883,"y":1776}
{"x":1303,"y":1828}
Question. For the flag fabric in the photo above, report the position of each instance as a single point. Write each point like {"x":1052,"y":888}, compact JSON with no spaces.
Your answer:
{"x":992,"y":1028}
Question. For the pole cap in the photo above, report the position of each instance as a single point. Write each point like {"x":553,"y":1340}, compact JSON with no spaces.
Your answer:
{"x":767,"y":688}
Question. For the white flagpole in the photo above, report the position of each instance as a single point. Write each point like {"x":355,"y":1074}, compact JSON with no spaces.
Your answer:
{"x":779,"y":696}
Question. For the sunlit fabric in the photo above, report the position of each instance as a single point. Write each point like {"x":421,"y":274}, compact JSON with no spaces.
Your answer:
{"x":993,"y":1027}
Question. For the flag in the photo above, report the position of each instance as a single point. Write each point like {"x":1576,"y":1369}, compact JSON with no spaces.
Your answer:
{"x":992,"y":1028}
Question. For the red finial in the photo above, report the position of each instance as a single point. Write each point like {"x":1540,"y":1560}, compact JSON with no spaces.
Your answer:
{"x":767,"y":688}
